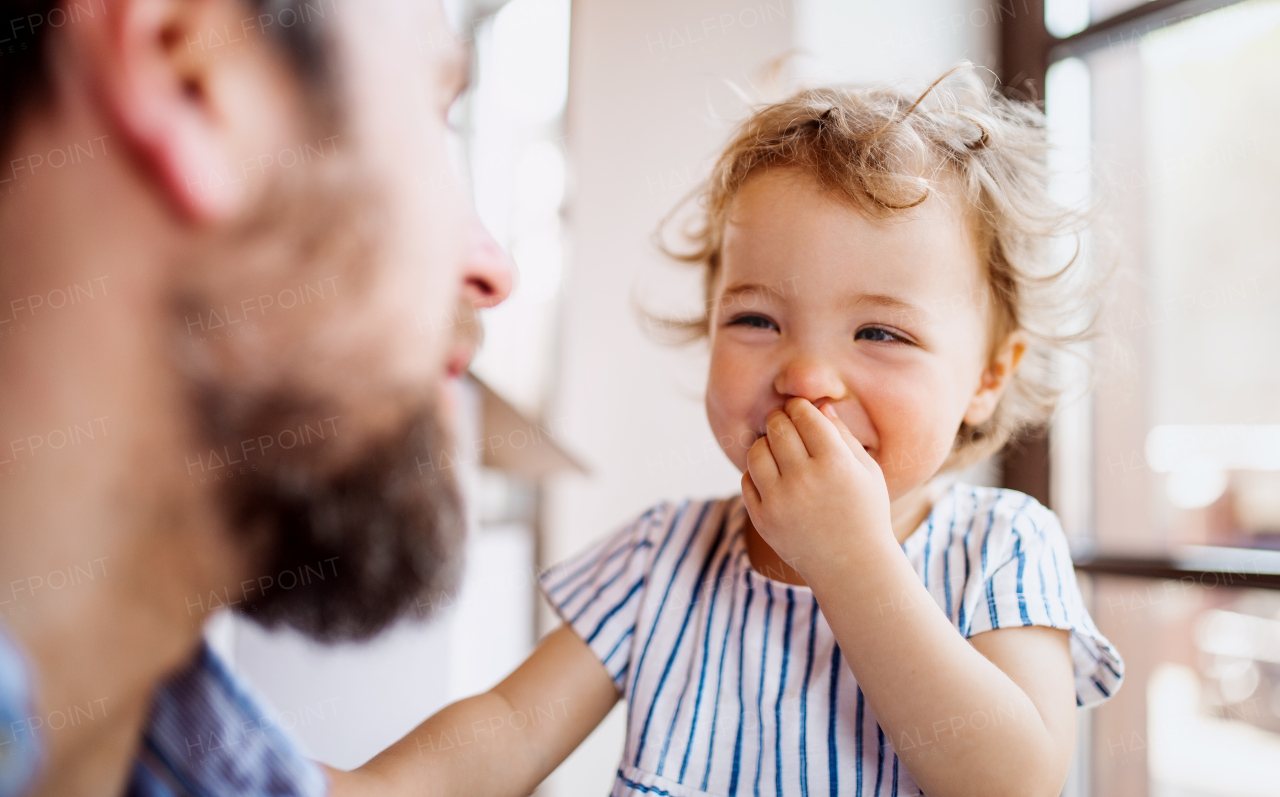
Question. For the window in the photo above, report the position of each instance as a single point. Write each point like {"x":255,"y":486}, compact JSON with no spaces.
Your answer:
{"x":1168,"y":477}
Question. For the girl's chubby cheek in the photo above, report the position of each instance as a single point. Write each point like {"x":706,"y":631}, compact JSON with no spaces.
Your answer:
{"x":734,"y":395}
{"x":909,"y":457}
{"x":735,"y":437}
{"x":731,"y":423}
{"x":912,"y":435}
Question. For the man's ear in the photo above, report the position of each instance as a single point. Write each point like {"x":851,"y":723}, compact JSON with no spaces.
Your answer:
{"x":995,"y":379}
{"x":191,"y":106}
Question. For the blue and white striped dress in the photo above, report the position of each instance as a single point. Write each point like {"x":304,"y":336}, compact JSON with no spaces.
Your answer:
{"x":734,"y":682}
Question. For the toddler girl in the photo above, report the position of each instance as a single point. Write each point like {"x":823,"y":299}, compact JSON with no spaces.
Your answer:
{"x":882,"y":309}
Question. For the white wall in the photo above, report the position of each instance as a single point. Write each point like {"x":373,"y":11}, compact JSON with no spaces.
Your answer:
{"x":649,"y":105}
{"x":857,"y":41}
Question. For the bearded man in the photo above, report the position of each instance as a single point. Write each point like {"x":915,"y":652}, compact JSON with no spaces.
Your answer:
{"x":237,"y":280}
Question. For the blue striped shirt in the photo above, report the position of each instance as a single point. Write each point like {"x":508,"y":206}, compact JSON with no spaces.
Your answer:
{"x":209,"y":736}
{"x":734,"y":682}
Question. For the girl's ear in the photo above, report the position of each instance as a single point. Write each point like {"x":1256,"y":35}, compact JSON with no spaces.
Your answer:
{"x":995,"y":378}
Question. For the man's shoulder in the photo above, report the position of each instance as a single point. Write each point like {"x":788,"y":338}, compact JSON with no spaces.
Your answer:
{"x":209,"y":734}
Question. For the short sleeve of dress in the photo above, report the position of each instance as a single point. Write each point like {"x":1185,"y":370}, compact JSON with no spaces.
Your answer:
{"x":598,"y":592}
{"x":1027,"y":578}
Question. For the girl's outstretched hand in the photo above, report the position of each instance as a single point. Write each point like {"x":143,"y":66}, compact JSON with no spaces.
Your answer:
{"x":811,"y":489}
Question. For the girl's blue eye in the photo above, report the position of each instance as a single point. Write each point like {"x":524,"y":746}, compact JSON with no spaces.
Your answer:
{"x":753,"y":321}
{"x":877,"y":334}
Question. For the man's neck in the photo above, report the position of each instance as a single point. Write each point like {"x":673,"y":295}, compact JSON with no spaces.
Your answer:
{"x":108,"y":548}
{"x":107,"y":542}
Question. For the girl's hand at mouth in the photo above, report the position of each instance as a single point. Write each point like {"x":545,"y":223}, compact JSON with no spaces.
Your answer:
{"x":811,"y":489}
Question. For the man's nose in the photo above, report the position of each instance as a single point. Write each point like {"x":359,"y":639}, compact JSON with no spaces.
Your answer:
{"x":809,"y":377}
{"x":488,"y":273}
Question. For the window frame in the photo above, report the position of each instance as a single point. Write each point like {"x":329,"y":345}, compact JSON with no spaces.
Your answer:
{"x":1027,"y":49}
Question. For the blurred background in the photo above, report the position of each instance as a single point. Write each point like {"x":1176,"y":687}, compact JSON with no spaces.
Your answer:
{"x":588,"y":121}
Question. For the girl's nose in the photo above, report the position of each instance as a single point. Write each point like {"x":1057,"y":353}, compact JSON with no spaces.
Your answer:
{"x":810,"y":378}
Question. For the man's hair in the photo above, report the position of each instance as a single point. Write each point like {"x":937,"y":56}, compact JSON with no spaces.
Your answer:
{"x":885,"y":151}
{"x":24,"y":73}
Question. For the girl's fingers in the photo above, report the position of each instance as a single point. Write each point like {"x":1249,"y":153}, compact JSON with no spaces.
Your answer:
{"x":818,"y":436}
{"x":784,"y":441}
{"x":830,"y":412}
{"x":750,"y":495}
{"x":761,"y":465}
{"x":859,"y":452}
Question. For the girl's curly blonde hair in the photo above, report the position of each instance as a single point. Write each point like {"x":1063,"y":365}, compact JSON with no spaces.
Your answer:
{"x":886,"y":151}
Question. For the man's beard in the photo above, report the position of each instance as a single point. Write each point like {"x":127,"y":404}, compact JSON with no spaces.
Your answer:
{"x":345,"y":540}
{"x":383,"y":539}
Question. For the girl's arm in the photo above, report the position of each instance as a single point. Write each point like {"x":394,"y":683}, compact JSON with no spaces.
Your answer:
{"x":994,"y":715}
{"x":991,"y":717}
{"x":502,"y":742}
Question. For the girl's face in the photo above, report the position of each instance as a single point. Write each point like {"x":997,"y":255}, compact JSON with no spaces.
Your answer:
{"x":886,"y":320}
